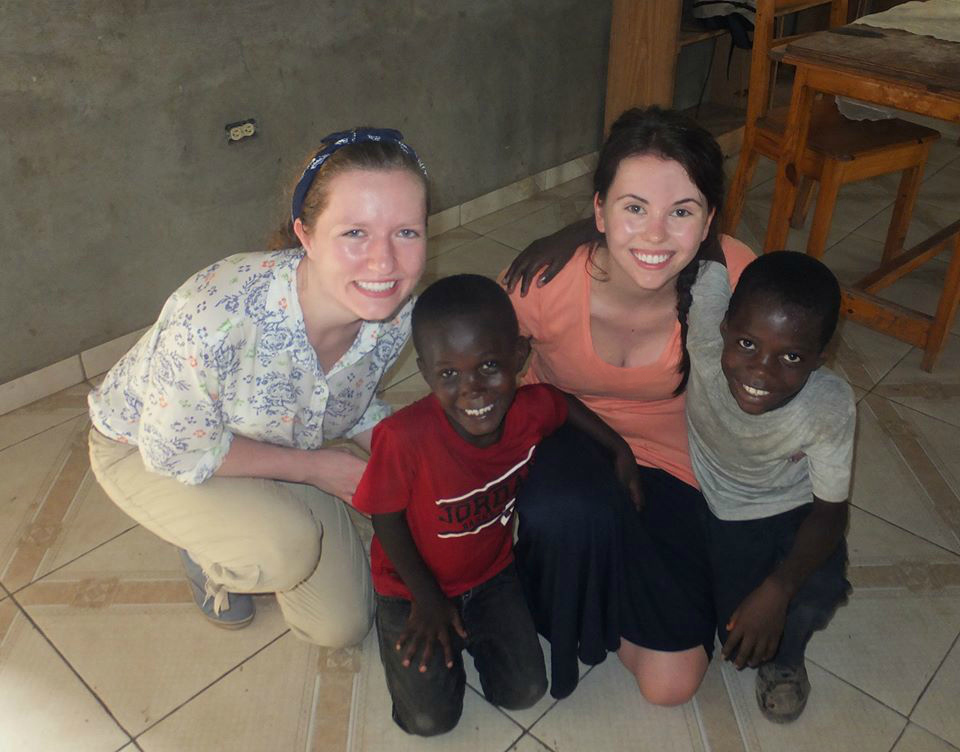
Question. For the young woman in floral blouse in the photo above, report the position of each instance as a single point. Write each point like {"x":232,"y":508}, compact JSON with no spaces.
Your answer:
{"x":210,"y":431}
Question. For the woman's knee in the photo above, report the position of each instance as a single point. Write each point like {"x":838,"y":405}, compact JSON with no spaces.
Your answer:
{"x":288,"y":551}
{"x":665,"y":678}
{"x":330,"y":623}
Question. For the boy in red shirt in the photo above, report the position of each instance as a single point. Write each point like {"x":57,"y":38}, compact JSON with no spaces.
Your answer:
{"x":440,"y":487}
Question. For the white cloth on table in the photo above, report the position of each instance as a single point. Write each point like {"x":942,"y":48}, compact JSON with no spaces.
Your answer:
{"x":931,"y":18}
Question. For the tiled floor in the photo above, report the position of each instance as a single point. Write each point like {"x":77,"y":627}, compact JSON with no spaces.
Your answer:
{"x":101,"y":648}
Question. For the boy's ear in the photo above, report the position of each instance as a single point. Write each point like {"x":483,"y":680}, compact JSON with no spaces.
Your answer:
{"x":523,"y":350}
{"x":420,"y":364}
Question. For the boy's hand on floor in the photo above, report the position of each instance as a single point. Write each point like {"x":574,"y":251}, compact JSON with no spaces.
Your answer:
{"x":757,"y":625}
{"x":628,"y":473}
{"x":426,"y":626}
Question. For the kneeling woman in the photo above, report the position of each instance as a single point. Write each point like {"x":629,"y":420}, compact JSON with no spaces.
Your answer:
{"x":610,"y":329}
{"x":210,"y":431}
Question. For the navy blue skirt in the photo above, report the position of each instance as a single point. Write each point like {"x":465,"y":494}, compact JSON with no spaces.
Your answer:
{"x":595,"y":570}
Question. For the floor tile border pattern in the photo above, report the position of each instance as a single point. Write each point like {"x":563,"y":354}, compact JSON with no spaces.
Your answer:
{"x":945,"y":503}
{"x":95,"y":360}
{"x":53,"y":501}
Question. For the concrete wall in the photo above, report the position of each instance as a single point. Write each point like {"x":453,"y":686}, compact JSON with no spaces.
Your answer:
{"x":118,"y":179}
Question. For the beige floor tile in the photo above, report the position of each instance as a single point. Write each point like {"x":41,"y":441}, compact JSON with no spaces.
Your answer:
{"x":482,"y":727}
{"x":937,"y":709}
{"x":916,"y":739}
{"x":406,"y":392}
{"x":528,"y":717}
{"x":43,"y":414}
{"x":529,"y":743}
{"x":290,"y":696}
{"x":765,"y":170}
{"x":857,"y":204}
{"x":838,"y":717}
{"x":581,"y":188}
{"x":864,"y":643}
{"x":927,"y":219}
{"x":497,"y":200}
{"x":43,"y":706}
{"x":520,"y":233}
{"x":936,"y":394}
{"x":862,"y":356}
{"x":607,"y":712}
{"x":715,"y":712}
{"x":124,"y":617}
{"x":904,"y":472}
{"x":944,"y":151}
{"x":404,"y":368}
{"x":56,"y":510}
{"x":449,"y":240}
{"x":480,"y":256}
{"x":511,"y":213}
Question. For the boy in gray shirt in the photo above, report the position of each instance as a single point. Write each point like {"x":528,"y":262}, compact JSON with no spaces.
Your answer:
{"x":771,"y":443}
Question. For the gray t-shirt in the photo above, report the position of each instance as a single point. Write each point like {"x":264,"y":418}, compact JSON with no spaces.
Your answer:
{"x":754,"y":466}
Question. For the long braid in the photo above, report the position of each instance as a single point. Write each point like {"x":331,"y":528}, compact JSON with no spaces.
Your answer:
{"x":685,"y":281}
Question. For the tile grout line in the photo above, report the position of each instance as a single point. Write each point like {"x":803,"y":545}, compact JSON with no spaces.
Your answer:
{"x":73,"y":670}
{"x":933,"y":676}
{"x":199,"y":692}
{"x":906,"y":530}
{"x":48,"y":428}
{"x":855,"y":687}
{"x":899,"y":736}
{"x":74,"y":559}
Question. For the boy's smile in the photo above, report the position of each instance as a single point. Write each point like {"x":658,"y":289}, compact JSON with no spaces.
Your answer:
{"x":472,"y":370}
{"x":769,"y":352}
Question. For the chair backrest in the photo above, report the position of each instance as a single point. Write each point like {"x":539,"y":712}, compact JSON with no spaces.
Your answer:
{"x":765,"y":39}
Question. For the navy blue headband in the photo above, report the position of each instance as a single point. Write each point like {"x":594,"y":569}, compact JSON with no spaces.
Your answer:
{"x":336,"y":141}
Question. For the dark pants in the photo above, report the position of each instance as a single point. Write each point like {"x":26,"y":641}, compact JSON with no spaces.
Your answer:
{"x":743,"y":553}
{"x":500,"y":637}
{"x":596,"y":570}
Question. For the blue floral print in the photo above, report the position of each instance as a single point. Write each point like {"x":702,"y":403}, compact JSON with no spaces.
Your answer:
{"x":229,"y":355}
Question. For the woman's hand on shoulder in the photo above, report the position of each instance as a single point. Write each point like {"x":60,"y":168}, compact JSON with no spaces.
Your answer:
{"x":549,"y":254}
{"x":335,"y":471}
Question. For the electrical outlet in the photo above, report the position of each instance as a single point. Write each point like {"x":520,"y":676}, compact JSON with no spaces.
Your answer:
{"x":240,"y":130}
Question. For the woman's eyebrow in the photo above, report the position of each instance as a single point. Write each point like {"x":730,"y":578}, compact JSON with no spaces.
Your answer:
{"x":635,"y":197}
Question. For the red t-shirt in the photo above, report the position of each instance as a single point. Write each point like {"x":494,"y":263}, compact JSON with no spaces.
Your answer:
{"x":458,"y":497}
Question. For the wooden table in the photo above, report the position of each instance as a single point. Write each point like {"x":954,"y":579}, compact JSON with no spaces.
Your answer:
{"x":896,"y":69}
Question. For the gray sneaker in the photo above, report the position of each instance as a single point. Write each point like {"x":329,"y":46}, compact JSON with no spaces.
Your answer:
{"x":235,"y":611}
{"x":782,"y":691}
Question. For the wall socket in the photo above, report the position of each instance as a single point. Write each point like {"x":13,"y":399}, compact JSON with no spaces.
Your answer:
{"x":241,"y":130}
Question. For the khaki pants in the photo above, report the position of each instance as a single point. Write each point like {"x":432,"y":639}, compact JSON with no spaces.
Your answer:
{"x":253,"y":535}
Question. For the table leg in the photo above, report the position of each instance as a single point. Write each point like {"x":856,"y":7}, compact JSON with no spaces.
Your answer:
{"x":946,"y":310}
{"x":788,"y":166}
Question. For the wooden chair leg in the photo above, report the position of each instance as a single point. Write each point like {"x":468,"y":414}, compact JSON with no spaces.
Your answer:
{"x":738,"y":188}
{"x":830,"y":180}
{"x":946,"y":310}
{"x":903,"y":210}
{"x":802,"y":205}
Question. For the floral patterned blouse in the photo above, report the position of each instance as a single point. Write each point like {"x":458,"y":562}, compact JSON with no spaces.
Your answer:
{"x":229,"y":355}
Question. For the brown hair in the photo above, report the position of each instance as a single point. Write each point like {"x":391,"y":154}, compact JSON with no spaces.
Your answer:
{"x":368,"y":155}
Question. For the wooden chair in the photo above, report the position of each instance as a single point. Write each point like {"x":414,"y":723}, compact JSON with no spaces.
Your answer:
{"x":838,"y":150}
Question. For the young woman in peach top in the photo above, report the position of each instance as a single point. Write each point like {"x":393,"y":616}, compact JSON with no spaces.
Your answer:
{"x":608,"y":325}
